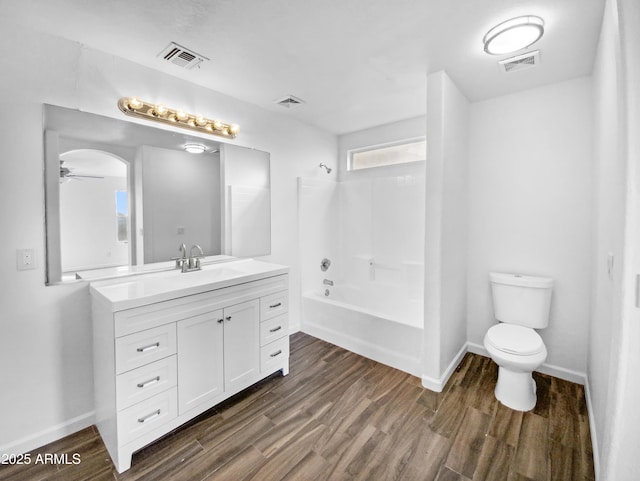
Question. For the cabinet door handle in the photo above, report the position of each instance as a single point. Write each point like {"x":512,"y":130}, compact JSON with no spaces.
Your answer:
{"x":220,"y":321}
{"x":275,"y":329}
{"x":150,"y":347}
{"x":273,"y":306}
{"x":148,"y":417}
{"x":228,"y":318}
{"x":277,"y":353}
{"x":149,"y":382}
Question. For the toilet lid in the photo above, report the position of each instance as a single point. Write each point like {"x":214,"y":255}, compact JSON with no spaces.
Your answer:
{"x":514,"y":339}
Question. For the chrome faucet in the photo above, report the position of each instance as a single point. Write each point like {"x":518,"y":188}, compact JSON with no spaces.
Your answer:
{"x":327,"y":282}
{"x":191,"y":263}
{"x":181,"y":261}
{"x":194,"y":261}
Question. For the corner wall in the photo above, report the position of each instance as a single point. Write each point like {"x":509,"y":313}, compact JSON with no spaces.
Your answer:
{"x":622,"y":461}
{"x":614,"y":358}
{"x":608,"y":206}
{"x":445,"y":273}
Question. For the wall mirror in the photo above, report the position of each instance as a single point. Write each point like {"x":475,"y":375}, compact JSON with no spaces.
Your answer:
{"x":121,"y":194}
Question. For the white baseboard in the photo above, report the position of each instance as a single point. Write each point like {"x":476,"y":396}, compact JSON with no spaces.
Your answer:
{"x":550,"y":369}
{"x":366,"y":349}
{"x":46,"y":436}
{"x":437,"y":385}
{"x":592,"y":428}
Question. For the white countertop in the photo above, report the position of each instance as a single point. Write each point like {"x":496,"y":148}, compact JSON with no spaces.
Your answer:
{"x":142,"y":289}
{"x":126,"y":271}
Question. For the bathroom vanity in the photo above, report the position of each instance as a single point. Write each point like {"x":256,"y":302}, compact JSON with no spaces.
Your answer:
{"x":170,"y":345}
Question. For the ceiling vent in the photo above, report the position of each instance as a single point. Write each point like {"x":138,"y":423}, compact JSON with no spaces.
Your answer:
{"x":289,"y":102}
{"x":182,"y":57}
{"x":520,"y":62}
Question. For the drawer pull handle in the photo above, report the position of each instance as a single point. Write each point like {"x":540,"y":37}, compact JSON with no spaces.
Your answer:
{"x":149,"y":382}
{"x":220,"y":321}
{"x":228,"y":318}
{"x":150,"y":347}
{"x":148,"y":417}
{"x":273,"y":306}
{"x":275,"y":329}
{"x":277,"y":353}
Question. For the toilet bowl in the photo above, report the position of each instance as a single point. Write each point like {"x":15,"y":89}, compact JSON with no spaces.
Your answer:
{"x":517,"y":352}
{"x":521,"y":304}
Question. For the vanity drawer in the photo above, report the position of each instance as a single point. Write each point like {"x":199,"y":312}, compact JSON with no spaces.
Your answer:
{"x":147,"y":415}
{"x":274,"y":328}
{"x":144,"y":347}
{"x":274,"y":305}
{"x":146,"y":381}
{"x":274,"y":354}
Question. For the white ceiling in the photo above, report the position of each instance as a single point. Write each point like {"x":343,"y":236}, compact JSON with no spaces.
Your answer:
{"x":356,"y":63}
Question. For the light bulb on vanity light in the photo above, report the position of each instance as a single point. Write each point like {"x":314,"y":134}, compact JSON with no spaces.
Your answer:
{"x":134,"y":103}
{"x":159,"y":110}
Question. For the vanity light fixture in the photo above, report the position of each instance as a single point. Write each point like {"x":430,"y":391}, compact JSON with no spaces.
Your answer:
{"x":135,"y":107}
{"x":513,"y":35}
{"x":194,"y":148}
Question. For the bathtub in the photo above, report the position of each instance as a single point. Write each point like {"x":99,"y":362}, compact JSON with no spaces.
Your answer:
{"x":380,"y":325}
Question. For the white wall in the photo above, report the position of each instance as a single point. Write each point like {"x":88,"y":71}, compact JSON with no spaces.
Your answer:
{"x":319,"y":232}
{"x":446,"y":214}
{"x":622,"y":461}
{"x":180,"y":190}
{"x":608,"y":207}
{"x":45,"y":346}
{"x":530,"y":185}
{"x":614,"y":358}
{"x":91,"y":202}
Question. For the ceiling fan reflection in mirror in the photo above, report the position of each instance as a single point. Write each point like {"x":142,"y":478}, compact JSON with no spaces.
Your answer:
{"x":66,"y":174}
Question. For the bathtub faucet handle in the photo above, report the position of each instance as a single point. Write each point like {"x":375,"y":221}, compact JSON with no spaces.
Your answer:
{"x":327,"y":282}
{"x":325,"y":264}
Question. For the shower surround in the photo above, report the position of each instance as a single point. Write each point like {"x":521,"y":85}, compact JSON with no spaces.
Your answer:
{"x":372,"y":230}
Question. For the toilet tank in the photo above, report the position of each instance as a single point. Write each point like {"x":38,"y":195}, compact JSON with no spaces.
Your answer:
{"x":521,"y":300}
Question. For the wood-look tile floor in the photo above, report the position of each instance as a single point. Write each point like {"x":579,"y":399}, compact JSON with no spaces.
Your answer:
{"x":339,"y":416}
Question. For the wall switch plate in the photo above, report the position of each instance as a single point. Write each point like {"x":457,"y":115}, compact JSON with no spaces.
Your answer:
{"x":25,"y":259}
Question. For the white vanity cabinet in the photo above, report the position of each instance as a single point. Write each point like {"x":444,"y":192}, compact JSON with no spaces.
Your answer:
{"x":218,"y":353}
{"x":164,"y":355}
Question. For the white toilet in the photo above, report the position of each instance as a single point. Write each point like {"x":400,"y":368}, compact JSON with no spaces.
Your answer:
{"x":521,"y":304}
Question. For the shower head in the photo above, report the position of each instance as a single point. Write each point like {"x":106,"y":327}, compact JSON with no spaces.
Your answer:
{"x":327,"y":168}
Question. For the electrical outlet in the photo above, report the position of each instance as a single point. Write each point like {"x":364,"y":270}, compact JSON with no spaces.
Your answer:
{"x":25,"y":259}
{"x":180,"y":230}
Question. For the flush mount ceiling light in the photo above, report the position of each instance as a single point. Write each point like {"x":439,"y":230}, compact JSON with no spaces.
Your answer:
{"x":159,"y":113}
{"x":513,"y":35}
{"x":194,"y":148}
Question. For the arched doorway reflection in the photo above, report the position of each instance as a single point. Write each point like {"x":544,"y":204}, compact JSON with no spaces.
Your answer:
{"x":95,"y":220}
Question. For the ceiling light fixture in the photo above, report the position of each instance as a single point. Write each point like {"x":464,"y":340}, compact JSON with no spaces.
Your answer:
{"x":513,"y":35}
{"x":135,"y":107}
{"x":194,"y":148}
